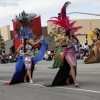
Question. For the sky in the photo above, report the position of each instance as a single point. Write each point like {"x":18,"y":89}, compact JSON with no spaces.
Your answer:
{"x":47,"y":9}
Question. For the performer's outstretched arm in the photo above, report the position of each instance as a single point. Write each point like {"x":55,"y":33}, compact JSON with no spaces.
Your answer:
{"x":34,"y":43}
{"x":18,"y":49}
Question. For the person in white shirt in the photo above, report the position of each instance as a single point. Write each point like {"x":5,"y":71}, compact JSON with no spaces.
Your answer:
{"x":86,"y":47}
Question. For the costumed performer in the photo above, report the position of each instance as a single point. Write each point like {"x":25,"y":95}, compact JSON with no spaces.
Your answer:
{"x":67,"y":72}
{"x":94,"y":55}
{"x":58,"y":59}
{"x":28,"y":46}
{"x":25,"y":65}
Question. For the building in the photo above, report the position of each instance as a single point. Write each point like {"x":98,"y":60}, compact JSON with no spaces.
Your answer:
{"x":5,"y":32}
{"x":12,"y":43}
{"x":8,"y":38}
{"x":87,"y":24}
{"x":50,"y":43}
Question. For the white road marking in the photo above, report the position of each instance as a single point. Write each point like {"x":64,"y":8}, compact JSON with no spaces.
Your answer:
{"x":83,"y":90}
{"x":3,"y":81}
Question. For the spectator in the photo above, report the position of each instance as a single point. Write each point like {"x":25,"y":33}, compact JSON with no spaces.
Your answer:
{"x":10,"y":58}
{"x":81,"y":53}
{"x":46,"y":56}
{"x":86,"y":47}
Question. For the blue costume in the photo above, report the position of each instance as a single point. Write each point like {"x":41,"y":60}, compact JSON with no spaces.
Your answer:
{"x":20,"y":71}
{"x":24,"y":30}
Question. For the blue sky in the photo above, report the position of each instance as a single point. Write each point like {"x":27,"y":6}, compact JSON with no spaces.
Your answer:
{"x":47,"y":9}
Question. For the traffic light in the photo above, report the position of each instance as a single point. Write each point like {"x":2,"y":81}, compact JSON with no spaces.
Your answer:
{"x":2,"y":46}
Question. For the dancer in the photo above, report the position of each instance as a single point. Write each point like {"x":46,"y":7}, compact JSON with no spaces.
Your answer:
{"x":28,"y":46}
{"x":25,"y":64}
{"x":94,"y":56}
{"x":58,"y":59}
{"x":26,"y":61}
{"x":67,"y":71}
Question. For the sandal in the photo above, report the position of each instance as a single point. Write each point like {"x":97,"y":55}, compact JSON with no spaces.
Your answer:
{"x":77,"y":85}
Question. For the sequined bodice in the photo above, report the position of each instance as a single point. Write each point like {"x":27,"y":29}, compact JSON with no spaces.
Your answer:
{"x":72,"y":43}
{"x":28,"y":49}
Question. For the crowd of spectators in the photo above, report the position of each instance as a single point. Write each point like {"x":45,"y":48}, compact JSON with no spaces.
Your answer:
{"x":84,"y":51}
{"x":8,"y":58}
{"x":49,"y":55}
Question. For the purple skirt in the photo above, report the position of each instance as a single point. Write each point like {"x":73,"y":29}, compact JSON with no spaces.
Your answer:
{"x":71,"y":56}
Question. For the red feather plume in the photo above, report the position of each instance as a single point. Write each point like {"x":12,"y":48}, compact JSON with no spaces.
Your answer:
{"x":63,"y":9}
{"x":77,"y":28}
{"x":63,"y":20}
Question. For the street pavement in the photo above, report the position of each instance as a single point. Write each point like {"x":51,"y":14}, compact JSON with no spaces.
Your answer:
{"x":88,"y":76}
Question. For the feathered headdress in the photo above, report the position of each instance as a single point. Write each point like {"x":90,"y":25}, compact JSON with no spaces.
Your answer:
{"x":24,"y":27}
{"x":97,"y":31}
{"x":93,"y":34}
{"x":63,"y":21}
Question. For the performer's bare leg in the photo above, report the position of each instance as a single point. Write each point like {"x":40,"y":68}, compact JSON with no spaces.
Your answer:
{"x":25,"y":77}
{"x":29,"y":74}
{"x":28,"y":66}
{"x":72,"y":72}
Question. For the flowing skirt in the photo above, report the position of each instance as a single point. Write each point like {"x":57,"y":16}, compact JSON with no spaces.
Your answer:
{"x":63,"y":72}
{"x":57,"y":62}
{"x":19,"y":74}
{"x":20,"y":69}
